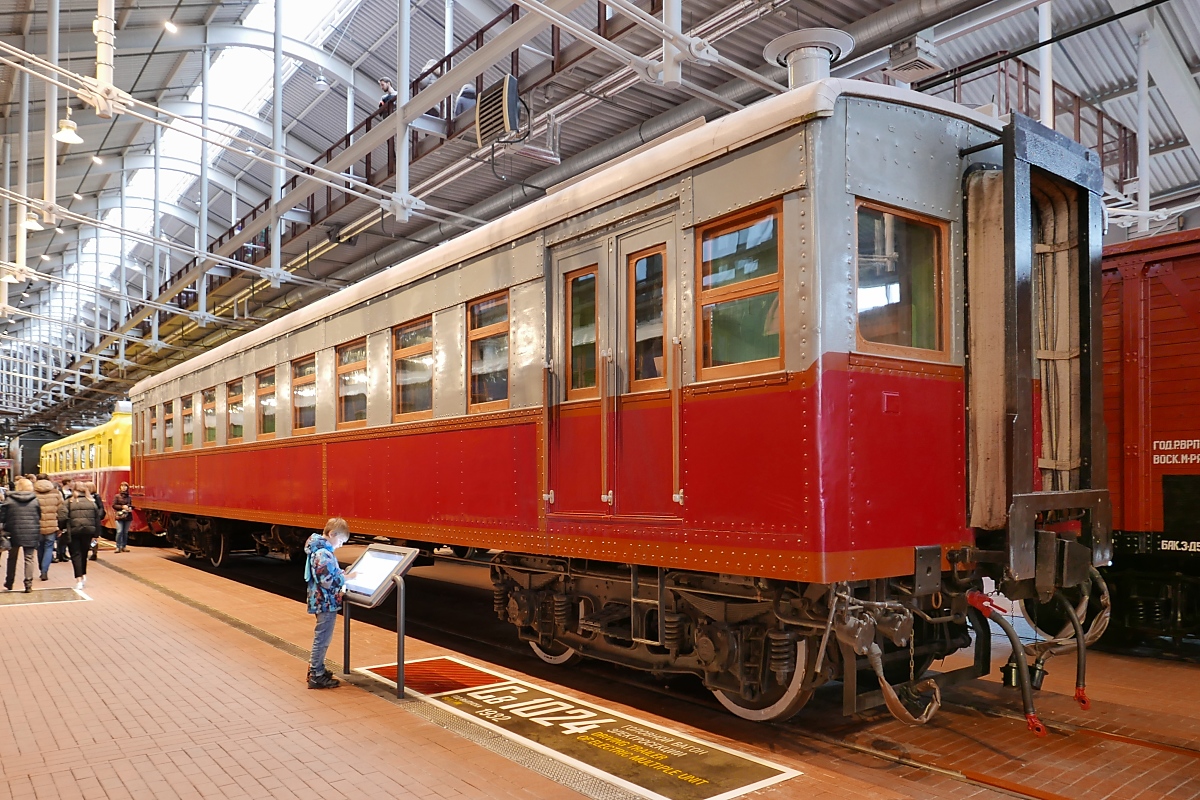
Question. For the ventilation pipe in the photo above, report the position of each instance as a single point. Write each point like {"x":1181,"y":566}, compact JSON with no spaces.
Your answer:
{"x":808,"y":54}
{"x":49,"y":143}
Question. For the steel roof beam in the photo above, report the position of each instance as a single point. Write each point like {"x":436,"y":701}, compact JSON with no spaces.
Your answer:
{"x":1171,"y":74}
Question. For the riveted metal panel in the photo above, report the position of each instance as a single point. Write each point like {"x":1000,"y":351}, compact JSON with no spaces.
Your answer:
{"x":345,"y":327}
{"x":686,"y":301}
{"x":283,"y":400}
{"x":450,"y":362}
{"x":222,"y":411}
{"x":379,"y":378}
{"x":834,"y":244}
{"x":305,"y":342}
{"x":687,"y":217}
{"x":249,"y":407}
{"x":326,"y":390}
{"x":906,"y":156}
{"x":527,"y":343}
{"x":609,"y":215}
{"x":750,"y":175}
{"x":799,"y":282}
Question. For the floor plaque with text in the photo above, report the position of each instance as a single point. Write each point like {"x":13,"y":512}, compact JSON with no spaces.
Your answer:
{"x":643,"y":757}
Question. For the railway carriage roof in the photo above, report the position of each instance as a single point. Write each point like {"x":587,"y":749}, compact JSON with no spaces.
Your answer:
{"x":705,"y":143}
{"x":118,"y":418}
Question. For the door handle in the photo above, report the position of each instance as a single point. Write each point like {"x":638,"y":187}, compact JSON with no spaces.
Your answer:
{"x":607,"y":497}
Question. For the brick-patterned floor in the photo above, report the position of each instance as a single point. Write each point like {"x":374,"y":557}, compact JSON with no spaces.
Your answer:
{"x":134,"y":695}
{"x":139,"y":695}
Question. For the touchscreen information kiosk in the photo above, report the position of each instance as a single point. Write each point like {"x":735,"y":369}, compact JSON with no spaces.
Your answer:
{"x":369,"y":581}
{"x":375,"y":572}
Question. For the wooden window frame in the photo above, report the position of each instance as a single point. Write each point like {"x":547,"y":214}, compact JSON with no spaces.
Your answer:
{"x":941,"y":281}
{"x":739,"y":291}
{"x":184,"y":413}
{"x":484,"y":333}
{"x":304,"y":381}
{"x":168,"y":415}
{"x":409,"y":352}
{"x":229,"y":398}
{"x":645,"y":384}
{"x":205,"y":405}
{"x":152,"y":430}
{"x":259,"y":393}
{"x":587,"y":392}
{"x":339,"y":371}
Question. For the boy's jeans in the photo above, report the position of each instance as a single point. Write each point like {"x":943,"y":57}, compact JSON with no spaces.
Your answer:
{"x":321,"y":639}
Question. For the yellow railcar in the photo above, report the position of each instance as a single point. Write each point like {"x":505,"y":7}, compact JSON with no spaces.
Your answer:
{"x":98,"y":455}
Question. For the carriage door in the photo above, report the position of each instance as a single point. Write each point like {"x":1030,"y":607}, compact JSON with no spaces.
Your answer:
{"x":643,"y":483}
{"x":611,"y":431}
{"x":579,"y":436}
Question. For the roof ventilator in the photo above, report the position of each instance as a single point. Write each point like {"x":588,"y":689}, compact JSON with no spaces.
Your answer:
{"x":808,"y":54}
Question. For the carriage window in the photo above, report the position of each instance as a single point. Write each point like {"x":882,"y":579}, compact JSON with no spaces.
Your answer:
{"x":646,"y":320}
{"x":233,"y":404}
{"x":266,"y":404}
{"x":153,"y":428}
{"x":487,"y":336}
{"x":110,"y":462}
{"x":899,"y":279}
{"x":739,"y":293}
{"x":581,"y":333}
{"x":304,"y":395}
{"x":168,"y":425}
{"x":412,"y":368}
{"x":208,"y":407}
{"x":352,"y":384}
{"x":92,"y":456}
{"x":185,"y":405}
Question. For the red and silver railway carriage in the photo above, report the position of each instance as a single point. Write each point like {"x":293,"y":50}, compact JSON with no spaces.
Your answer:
{"x":764,"y":403}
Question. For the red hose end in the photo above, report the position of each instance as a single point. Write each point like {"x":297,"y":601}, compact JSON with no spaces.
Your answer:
{"x":1082,"y":698}
{"x":1036,"y":725}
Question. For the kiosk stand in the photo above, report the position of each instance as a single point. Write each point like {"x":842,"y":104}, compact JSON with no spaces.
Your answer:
{"x":377,"y":571}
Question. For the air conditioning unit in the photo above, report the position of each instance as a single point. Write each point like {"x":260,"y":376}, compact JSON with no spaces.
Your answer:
{"x":913,"y":59}
{"x":496,"y":113}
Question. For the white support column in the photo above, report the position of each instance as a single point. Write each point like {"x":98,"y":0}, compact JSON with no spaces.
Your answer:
{"x":448,"y":43}
{"x":123,"y":275}
{"x":50,"y":144}
{"x":22,"y":172}
{"x":1046,"y":63}
{"x":672,"y":69}
{"x":1145,"y":41}
{"x":349,"y":108}
{"x":5,"y":205}
{"x":277,"y":141}
{"x":202,"y":229}
{"x":157,"y":230}
{"x":96,"y":297}
{"x":403,"y":93}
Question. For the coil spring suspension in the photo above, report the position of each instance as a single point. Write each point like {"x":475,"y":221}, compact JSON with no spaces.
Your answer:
{"x":673,"y":630}
{"x":562,"y":611}
{"x":500,"y":600}
{"x":781,"y":656}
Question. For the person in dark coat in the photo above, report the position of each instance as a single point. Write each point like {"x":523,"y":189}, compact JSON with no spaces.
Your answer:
{"x":123,"y":511}
{"x":79,"y":517}
{"x":64,"y":542}
{"x":22,"y":521}
{"x":90,"y":488}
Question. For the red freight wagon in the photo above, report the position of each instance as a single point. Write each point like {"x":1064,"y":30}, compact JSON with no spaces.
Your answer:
{"x":1152,"y":410}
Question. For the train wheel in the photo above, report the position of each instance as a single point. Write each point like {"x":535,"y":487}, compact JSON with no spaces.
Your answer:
{"x":461,"y":550}
{"x":557,"y":654}
{"x":218,"y":549}
{"x":778,"y":702}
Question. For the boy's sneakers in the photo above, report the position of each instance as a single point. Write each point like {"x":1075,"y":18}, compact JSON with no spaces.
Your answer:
{"x":324,"y":680}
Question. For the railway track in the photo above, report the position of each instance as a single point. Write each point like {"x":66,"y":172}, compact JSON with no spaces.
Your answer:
{"x":440,"y":609}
